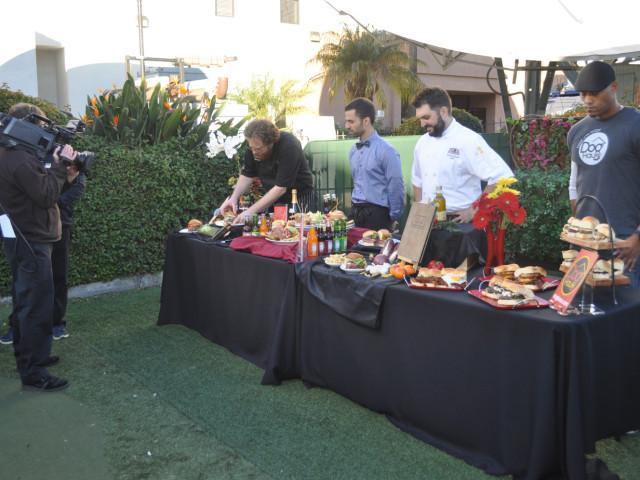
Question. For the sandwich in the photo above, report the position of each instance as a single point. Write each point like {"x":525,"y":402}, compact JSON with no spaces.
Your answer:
{"x":369,"y":238}
{"x":581,"y":228}
{"x":336,"y":215}
{"x":568,"y":256}
{"x":455,"y":277}
{"x":383,"y":235}
{"x":507,"y":292}
{"x":602,"y":269}
{"x":194,"y":224}
{"x":604,"y":232}
{"x":530,"y":277}
{"x":429,"y":277}
{"x":506,"y":271}
{"x":354,"y":260}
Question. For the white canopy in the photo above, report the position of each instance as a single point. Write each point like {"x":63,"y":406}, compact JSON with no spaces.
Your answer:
{"x":544,"y":30}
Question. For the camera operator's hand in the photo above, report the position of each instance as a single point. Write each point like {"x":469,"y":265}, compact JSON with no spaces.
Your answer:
{"x":72,"y":173}
{"x":65,"y":152}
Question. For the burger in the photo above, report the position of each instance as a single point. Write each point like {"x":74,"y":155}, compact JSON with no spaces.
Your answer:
{"x":584,"y":228}
{"x":455,"y":277}
{"x":604,"y":232}
{"x":384,"y":235}
{"x":568,"y":256}
{"x":507,"y":292}
{"x":194,"y":225}
{"x":602,"y":269}
{"x":429,"y":277}
{"x":506,"y":271}
{"x":369,"y":238}
{"x":354,"y":260}
{"x":530,"y":277}
{"x":336,"y":215}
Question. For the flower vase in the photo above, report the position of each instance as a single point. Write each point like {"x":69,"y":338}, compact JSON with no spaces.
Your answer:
{"x":499,"y":247}
{"x":491,"y":253}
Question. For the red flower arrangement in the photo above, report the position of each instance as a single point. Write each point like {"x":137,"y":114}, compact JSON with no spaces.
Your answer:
{"x":494,"y":211}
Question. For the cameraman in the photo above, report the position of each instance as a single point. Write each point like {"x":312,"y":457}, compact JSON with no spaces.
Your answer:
{"x":28,"y":193}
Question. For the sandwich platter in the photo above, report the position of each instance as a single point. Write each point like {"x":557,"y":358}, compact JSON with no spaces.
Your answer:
{"x":620,"y":279}
{"x":592,"y":244}
{"x":506,"y":294}
{"x":288,"y":241}
{"x":547,"y":283}
{"x":447,"y":279}
{"x":533,"y":303}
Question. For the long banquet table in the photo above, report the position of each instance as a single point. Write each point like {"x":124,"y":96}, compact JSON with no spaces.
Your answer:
{"x":525,"y":393}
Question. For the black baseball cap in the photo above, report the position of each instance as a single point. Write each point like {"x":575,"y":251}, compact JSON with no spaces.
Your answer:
{"x":595,"y":77}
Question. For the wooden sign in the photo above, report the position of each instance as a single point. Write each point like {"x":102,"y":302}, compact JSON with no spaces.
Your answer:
{"x":416,"y":232}
{"x":572,"y":281}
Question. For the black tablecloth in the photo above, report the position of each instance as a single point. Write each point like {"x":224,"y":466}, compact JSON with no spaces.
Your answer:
{"x":452,"y":247}
{"x":353,"y":296}
{"x":243,"y":302}
{"x":525,"y":393}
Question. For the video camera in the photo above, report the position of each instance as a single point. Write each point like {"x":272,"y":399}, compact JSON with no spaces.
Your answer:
{"x":42,"y":139}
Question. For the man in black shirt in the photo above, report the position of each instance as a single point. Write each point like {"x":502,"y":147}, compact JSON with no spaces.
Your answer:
{"x":28,"y":194}
{"x":276,"y":158}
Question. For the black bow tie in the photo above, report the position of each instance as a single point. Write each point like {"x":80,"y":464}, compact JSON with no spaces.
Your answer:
{"x":359,"y":145}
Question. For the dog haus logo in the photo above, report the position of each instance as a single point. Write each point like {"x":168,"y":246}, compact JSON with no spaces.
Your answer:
{"x":593,"y":147}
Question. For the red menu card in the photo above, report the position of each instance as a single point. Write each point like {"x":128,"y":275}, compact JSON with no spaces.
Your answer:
{"x":280,"y":213}
{"x":572,"y":281}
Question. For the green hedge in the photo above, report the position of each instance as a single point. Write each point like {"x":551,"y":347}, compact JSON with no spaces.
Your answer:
{"x":411,"y":126}
{"x":545,"y":196}
{"x":134,"y":198}
{"x":8,"y":98}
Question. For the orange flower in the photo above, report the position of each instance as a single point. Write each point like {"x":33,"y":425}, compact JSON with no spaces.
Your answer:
{"x":94,"y":101}
{"x":183,"y":90}
{"x":96,"y":112}
{"x":106,"y":97}
{"x":84,"y":118}
{"x":116,"y":120}
{"x":167,"y":105}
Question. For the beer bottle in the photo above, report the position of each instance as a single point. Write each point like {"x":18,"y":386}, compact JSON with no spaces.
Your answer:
{"x":322,"y":240}
{"x":343,"y":236}
{"x":441,"y":205}
{"x":336,"y":236}
{"x":329,"y":240}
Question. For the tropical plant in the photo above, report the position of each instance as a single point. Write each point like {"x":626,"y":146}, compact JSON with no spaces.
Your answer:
{"x":362,"y":62}
{"x":266,"y":100}
{"x":130,"y":117}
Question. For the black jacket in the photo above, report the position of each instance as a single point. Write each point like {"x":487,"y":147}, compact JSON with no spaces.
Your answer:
{"x":29,"y":193}
{"x":71,"y":193}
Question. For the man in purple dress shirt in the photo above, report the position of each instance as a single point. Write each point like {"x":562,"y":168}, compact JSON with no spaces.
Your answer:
{"x":378,"y":188}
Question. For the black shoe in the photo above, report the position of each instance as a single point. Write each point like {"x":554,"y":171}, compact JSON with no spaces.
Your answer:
{"x":46,"y":384}
{"x":50,"y":361}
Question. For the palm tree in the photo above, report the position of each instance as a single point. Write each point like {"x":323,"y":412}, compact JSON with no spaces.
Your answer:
{"x":266,"y":100}
{"x":362,"y":62}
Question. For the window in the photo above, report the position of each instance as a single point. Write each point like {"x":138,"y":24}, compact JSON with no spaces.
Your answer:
{"x":289,"y":11}
{"x":224,"y":8}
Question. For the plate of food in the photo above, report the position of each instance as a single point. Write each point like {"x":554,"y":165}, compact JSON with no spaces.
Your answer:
{"x":334,"y":260}
{"x":439,"y":279}
{"x":284,"y":241}
{"x":507,"y":294}
{"x":353,"y":262}
{"x":532,"y":277}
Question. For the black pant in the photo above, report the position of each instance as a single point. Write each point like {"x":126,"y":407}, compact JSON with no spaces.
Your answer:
{"x":31,"y":320}
{"x":60,"y":267}
{"x":368,"y":215}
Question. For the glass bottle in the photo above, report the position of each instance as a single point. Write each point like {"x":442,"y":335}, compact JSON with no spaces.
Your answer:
{"x":336,"y":236}
{"x":322,"y":240}
{"x":264,"y":227}
{"x":343,"y":236}
{"x":295,"y":208}
{"x":329,"y":240}
{"x":248,"y":225}
{"x":312,"y":243}
{"x":441,"y":205}
{"x":256,"y":226}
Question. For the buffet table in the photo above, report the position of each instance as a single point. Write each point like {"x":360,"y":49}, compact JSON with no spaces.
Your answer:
{"x":520,"y":392}
{"x":243,"y":302}
{"x":512,"y":392}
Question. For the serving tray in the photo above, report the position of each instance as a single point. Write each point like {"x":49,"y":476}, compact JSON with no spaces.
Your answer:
{"x":532,"y":304}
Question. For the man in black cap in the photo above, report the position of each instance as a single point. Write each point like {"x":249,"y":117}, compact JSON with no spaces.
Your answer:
{"x":605,"y":160}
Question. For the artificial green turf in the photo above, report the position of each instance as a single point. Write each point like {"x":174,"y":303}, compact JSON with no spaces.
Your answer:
{"x":171,"y":404}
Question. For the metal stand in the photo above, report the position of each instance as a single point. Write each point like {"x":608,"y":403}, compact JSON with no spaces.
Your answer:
{"x":587,"y":306}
